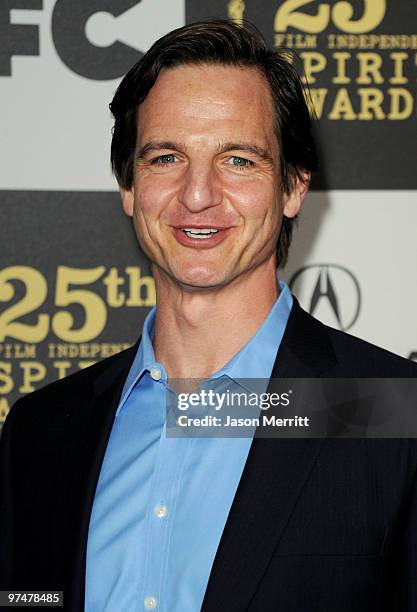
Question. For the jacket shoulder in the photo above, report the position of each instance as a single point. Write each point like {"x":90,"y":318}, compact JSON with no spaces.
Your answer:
{"x":336,"y":353}
{"x":364,"y":359}
{"x":65,"y":392}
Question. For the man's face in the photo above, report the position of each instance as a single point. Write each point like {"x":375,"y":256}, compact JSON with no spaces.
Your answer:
{"x":206,"y":200}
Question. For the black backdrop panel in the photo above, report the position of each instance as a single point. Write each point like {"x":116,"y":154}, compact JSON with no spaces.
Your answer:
{"x":74,"y":287}
{"x":361,"y":67}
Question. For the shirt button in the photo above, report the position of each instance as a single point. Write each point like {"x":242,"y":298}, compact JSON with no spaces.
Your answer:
{"x":160,"y":511}
{"x":156,"y":374}
{"x":150,"y":603}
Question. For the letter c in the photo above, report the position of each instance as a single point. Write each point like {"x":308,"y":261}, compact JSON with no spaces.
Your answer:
{"x":69,"y":20}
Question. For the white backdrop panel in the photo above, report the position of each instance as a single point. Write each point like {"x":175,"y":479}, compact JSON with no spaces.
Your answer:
{"x":55,"y":123}
{"x":373,"y":235}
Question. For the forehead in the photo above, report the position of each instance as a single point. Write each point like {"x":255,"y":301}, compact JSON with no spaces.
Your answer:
{"x":221,"y":101}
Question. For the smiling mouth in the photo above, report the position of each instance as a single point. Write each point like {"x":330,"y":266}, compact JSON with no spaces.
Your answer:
{"x":201,"y":233}
{"x":200,"y":237}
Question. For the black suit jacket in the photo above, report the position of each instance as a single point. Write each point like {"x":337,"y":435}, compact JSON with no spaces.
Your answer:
{"x":315,"y":526}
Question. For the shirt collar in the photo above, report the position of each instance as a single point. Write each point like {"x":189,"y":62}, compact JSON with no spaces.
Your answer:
{"x":257,"y":356}
{"x":144,"y":360}
{"x":259,"y":353}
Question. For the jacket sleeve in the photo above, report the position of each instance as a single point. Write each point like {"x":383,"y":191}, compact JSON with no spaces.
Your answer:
{"x":404,"y":560}
{"x":6,"y":504}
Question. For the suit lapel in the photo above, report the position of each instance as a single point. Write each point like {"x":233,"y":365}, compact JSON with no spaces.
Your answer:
{"x":273,"y":478}
{"x":89,"y":430}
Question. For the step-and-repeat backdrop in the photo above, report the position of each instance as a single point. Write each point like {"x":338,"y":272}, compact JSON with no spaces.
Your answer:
{"x":74,"y":287}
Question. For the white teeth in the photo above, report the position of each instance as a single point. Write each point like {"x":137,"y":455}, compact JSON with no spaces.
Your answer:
{"x":194,"y":230}
{"x":204,"y":233}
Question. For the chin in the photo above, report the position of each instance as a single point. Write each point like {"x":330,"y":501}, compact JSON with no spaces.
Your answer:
{"x":200,"y":276}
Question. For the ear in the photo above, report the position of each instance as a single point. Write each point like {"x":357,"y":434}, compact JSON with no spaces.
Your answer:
{"x":128,"y":199}
{"x":294,"y":199}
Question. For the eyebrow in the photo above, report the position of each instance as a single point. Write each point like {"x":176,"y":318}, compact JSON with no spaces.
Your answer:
{"x":223,"y":148}
{"x":250,"y":148}
{"x":158,"y":146}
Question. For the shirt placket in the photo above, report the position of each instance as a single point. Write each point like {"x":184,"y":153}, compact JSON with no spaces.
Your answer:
{"x":160,"y":516}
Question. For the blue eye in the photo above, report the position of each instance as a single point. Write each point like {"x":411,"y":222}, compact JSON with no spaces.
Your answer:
{"x":169,"y":158}
{"x":240,"y":162}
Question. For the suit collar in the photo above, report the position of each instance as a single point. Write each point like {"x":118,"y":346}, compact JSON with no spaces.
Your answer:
{"x":306,"y":350}
{"x":112,"y":369}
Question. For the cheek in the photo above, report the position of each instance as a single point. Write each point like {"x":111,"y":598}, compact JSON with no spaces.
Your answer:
{"x":257,"y":202}
{"x":152,"y":194}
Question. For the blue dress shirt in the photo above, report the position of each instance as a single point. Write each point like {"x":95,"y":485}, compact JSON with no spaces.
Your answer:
{"x":161,"y":503}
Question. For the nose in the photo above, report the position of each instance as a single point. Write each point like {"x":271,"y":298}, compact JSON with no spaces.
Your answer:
{"x":201,"y":188}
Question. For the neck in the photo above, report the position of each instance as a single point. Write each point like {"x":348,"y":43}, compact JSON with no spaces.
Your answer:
{"x":198,"y":331}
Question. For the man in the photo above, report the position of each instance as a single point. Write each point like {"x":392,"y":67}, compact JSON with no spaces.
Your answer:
{"x":213,"y":152}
